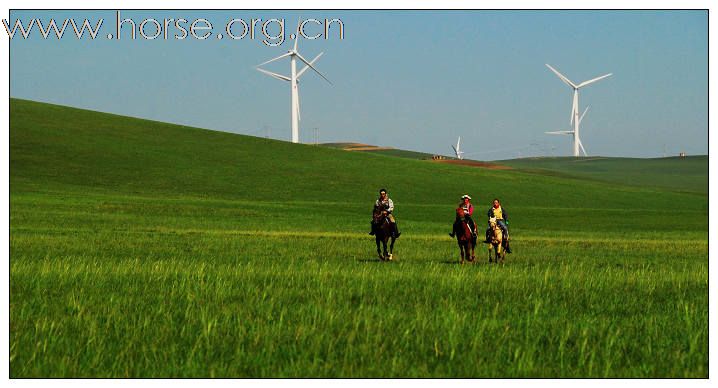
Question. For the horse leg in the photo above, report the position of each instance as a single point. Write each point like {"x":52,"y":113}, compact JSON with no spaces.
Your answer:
{"x":378,"y":249}
{"x":386,"y":254}
{"x":473,"y":255}
{"x":461,"y":254}
{"x":391,"y":248}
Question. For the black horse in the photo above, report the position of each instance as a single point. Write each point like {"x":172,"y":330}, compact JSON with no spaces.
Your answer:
{"x":382,"y":234}
{"x":464,"y":237}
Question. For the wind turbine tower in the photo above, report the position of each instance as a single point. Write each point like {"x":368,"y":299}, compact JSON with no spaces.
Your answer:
{"x":575,"y":119}
{"x":293,"y":80}
{"x":457,"y":150}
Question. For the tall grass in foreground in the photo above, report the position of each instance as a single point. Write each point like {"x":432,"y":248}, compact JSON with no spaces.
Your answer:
{"x":187,"y":303}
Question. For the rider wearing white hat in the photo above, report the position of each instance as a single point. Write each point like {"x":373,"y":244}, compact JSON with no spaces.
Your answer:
{"x":468,"y":208}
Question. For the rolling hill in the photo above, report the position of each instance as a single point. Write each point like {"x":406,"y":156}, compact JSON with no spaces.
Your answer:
{"x":688,"y":174}
{"x":92,"y":151}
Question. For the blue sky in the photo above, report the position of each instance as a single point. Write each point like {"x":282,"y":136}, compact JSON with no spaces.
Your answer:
{"x":408,"y":79}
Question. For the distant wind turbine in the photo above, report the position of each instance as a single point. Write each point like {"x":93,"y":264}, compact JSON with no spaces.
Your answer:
{"x":572,"y":133}
{"x":575,"y":119}
{"x":457,"y":150}
{"x":293,"y":80}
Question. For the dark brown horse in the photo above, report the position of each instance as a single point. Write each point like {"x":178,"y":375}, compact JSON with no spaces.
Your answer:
{"x":465,"y":239}
{"x":383,"y":232}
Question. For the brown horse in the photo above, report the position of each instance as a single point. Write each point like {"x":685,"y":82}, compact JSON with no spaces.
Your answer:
{"x":465,"y":239}
{"x":383,"y":232}
{"x":497,"y":253}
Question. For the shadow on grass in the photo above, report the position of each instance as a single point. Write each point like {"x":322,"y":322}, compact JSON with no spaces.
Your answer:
{"x":475,"y":262}
{"x":372,"y":260}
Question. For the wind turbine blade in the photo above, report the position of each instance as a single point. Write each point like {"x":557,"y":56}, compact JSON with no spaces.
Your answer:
{"x":562,"y":77}
{"x":307,"y":67}
{"x":455,"y":151}
{"x":458,"y":144}
{"x":582,"y":149}
{"x":584,"y":113}
{"x":275,"y":75}
{"x":560,"y":133}
{"x":274,"y":59}
{"x":313,"y":68}
{"x":296,"y":40}
{"x":582,"y":84}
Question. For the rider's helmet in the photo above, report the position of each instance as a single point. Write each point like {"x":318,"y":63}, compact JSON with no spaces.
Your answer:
{"x":466,"y":196}
{"x":382,"y":190}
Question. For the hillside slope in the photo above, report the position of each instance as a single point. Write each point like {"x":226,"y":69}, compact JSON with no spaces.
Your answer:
{"x":60,"y":148}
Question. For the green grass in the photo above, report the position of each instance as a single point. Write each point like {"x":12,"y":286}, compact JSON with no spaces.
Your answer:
{"x":145,"y":249}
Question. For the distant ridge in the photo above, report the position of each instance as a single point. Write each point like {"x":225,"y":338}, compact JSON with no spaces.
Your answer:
{"x":391,"y":151}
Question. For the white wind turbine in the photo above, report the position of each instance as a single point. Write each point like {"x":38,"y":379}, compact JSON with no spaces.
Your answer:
{"x":575,"y":119}
{"x":457,"y":150}
{"x":293,"y":80}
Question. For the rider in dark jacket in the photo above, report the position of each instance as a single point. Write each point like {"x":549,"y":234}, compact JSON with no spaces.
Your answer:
{"x":498,"y":212}
{"x":387,"y":205}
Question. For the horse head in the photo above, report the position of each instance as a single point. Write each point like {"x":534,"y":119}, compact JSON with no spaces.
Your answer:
{"x":378,"y":215}
{"x":497,"y":234}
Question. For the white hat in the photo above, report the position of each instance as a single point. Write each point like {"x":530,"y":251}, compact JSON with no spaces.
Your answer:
{"x":466,"y":196}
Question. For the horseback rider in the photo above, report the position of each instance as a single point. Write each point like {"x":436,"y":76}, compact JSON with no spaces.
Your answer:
{"x":468,"y":208}
{"x":496,"y":211}
{"x":387,"y":205}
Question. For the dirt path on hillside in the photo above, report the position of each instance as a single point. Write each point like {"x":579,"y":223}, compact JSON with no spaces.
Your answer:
{"x":472,"y":163}
{"x":364,"y":147}
{"x":370,"y":148}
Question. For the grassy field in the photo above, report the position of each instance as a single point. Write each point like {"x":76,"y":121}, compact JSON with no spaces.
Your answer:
{"x":145,"y":249}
